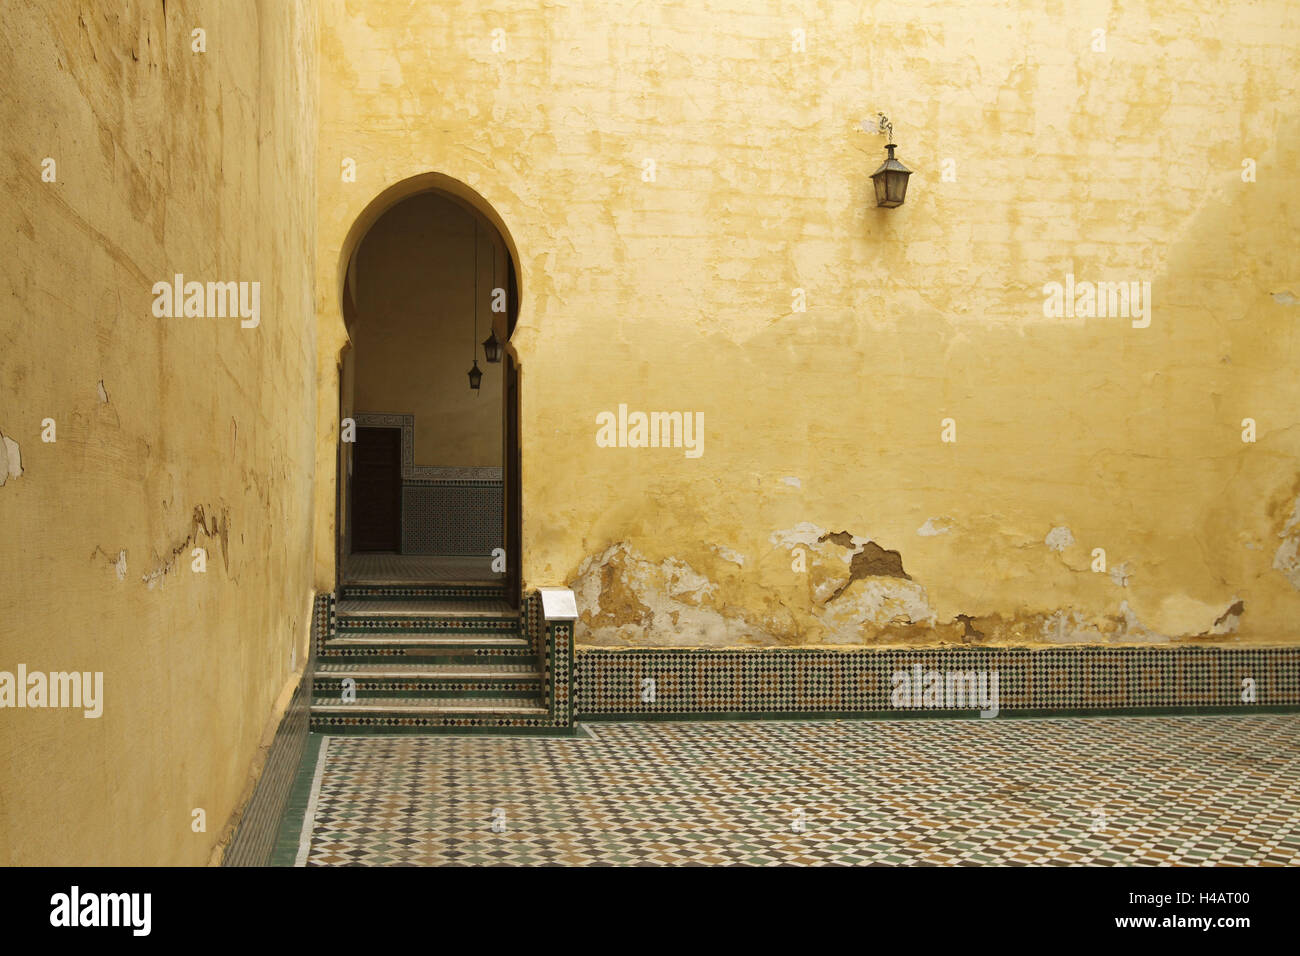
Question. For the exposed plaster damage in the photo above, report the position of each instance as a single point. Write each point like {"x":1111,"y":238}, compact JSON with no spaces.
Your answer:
{"x":1287,"y":557}
{"x":623,"y":597}
{"x":212,"y":528}
{"x":1059,"y":538}
{"x":935,"y":526}
{"x":118,"y":564}
{"x":1228,"y":621}
{"x":845,"y":590}
{"x":1068,"y":626}
{"x":729,"y":554}
{"x":11,"y":461}
{"x":805,"y":532}
{"x":869,"y":561}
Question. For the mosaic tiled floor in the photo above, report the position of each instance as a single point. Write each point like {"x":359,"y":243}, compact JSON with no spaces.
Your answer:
{"x":1099,"y":791}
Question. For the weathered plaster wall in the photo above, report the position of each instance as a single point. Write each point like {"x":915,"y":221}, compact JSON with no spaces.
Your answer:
{"x":171,"y":433}
{"x":823,"y":427}
{"x":414,"y":338}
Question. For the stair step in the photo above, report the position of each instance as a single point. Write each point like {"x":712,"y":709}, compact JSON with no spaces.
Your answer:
{"x":426,"y":607}
{"x":427,"y":671}
{"x":454,"y":641}
{"x":414,"y":706}
{"x":433,"y":680}
{"x":444,"y":590}
{"x":435,"y":647}
{"x":468,"y":681}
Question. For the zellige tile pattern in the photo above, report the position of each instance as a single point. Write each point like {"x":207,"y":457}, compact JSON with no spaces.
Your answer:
{"x":1097,"y":791}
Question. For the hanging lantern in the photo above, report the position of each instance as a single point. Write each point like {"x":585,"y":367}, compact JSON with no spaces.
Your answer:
{"x":491,"y":347}
{"x":891,"y":181}
{"x":475,"y":374}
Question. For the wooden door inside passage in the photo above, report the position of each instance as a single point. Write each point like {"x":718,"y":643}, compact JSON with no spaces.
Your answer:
{"x":377,"y":490}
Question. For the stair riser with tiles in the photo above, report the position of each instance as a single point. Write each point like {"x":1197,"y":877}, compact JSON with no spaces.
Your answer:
{"x":378,"y":624}
{"x":451,"y":592}
{"x":333,"y":687}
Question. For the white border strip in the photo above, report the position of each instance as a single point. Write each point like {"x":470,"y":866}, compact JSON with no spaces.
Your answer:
{"x":309,"y":818}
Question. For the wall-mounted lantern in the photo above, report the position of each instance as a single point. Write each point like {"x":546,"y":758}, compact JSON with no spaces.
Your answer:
{"x":475,"y":376}
{"x":491,"y":347}
{"x":891,"y":178}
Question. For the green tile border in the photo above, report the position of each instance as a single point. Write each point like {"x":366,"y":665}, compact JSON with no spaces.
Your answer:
{"x":289,"y":835}
{"x":388,"y":730}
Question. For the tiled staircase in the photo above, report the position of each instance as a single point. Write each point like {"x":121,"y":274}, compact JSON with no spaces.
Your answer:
{"x":426,"y":657}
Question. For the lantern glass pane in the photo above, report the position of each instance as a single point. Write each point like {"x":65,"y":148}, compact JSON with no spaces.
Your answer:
{"x":897,"y":186}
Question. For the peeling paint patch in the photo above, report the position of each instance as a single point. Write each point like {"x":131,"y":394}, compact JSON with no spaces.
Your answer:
{"x":103,"y":393}
{"x":805,"y":532}
{"x":870,"y":562}
{"x":118,"y":564}
{"x":842,"y":538}
{"x":1134,"y":630}
{"x":792,"y":481}
{"x":1059,"y":538}
{"x":1230,"y":619}
{"x":728,"y":554}
{"x":11,"y":459}
{"x":1285,"y":298}
{"x":1287,"y":557}
{"x":218,"y":528}
{"x":875,"y":602}
{"x":1069,"y":627}
{"x":1121,"y":574}
{"x":625,"y":598}
{"x":935,"y":526}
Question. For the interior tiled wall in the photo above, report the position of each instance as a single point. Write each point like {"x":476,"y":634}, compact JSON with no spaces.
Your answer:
{"x":445,"y":510}
{"x":452,"y":516}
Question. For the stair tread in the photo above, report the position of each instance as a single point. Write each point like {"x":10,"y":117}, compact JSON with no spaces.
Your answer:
{"x":497,"y":583}
{"x":425,"y":607}
{"x":440,"y":671}
{"x":421,"y":705}
{"x":441,"y":639}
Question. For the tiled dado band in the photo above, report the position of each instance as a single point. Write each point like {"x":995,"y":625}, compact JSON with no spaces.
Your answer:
{"x":452,"y":516}
{"x":613,"y":684}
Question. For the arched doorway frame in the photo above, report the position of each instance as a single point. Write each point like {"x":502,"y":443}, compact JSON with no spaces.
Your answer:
{"x":478,"y":205}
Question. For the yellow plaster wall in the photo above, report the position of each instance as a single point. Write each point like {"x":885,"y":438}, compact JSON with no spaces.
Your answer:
{"x":414,"y":337}
{"x":678,"y":294}
{"x":171,"y":433}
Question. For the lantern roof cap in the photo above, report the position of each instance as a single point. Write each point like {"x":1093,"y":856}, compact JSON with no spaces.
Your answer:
{"x":891,"y":164}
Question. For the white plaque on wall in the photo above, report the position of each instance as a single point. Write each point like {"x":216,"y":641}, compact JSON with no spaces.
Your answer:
{"x":559,"y":604}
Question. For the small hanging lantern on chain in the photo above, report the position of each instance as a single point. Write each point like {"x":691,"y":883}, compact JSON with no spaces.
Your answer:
{"x":475,"y":375}
{"x":891,"y":178}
